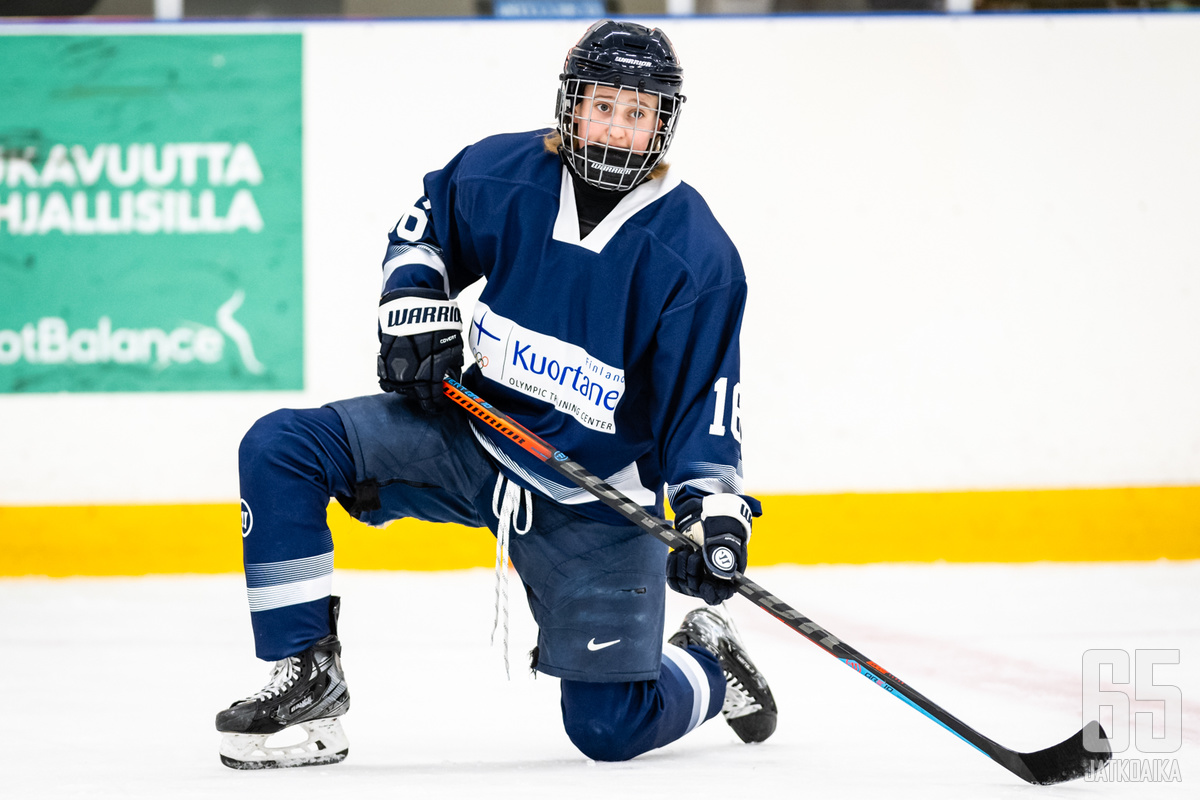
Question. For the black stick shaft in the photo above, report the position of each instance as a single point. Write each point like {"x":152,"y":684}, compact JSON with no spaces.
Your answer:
{"x":1055,"y":764}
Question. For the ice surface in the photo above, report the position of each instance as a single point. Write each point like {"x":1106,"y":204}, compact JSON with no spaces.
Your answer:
{"x":112,"y":685}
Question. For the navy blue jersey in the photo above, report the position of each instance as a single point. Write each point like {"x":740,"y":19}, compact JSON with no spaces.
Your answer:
{"x":620,"y":348}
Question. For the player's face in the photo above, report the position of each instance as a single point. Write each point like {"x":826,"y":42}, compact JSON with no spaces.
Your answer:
{"x":624,"y":118}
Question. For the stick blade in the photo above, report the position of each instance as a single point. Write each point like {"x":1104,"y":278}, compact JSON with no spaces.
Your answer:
{"x":1083,"y":754}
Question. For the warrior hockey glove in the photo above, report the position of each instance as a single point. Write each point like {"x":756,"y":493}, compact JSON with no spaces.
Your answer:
{"x":420,"y":343}
{"x":720,"y":525}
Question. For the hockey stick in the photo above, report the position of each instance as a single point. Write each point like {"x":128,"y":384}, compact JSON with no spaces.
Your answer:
{"x":1063,"y":762}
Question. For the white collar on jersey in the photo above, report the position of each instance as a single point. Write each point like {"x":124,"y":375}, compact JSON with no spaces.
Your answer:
{"x":566,"y":226}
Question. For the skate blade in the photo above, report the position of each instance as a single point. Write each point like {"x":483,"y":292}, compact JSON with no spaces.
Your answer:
{"x":325,"y":743}
{"x":742,"y":711}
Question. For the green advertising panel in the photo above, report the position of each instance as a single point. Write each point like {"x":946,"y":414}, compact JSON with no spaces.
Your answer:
{"x":150,"y":213}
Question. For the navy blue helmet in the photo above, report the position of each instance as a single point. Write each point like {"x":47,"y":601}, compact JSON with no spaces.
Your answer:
{"x":618,"y":103}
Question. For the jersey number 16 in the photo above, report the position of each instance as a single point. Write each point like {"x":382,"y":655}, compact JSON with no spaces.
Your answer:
{"x":735,"y":401}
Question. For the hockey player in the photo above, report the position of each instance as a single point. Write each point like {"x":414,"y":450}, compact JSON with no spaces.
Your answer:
{"x":609,"y":324}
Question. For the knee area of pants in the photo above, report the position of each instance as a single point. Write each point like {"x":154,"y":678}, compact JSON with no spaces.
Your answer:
{"x":601,"y":739}
{"x":266,"y":434}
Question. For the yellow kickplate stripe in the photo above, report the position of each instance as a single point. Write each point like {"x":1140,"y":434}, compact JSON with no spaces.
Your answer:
{"x":1134,"y":524}
{"x":1061,"y":525}
{"x":142,"y":540}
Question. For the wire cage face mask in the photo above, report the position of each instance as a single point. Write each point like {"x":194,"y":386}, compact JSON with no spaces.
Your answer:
{"x":613,"y":136}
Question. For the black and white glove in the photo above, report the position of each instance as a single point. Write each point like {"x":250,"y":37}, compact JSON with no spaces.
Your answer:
{"x":720,"y":525}
{"x":420,"y":342}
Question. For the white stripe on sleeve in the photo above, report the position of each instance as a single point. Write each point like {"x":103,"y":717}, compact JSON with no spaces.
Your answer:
{"x":412,"y":254}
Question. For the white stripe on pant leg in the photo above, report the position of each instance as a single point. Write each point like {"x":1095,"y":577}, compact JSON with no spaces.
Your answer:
{"x":297,"y":569}
{"x":265,"y":598}
{"x":698,"y":679}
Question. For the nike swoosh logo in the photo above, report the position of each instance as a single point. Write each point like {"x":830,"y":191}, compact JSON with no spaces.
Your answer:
{"x":593,"y":646}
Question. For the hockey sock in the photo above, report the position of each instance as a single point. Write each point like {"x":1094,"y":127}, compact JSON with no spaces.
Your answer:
{"x":617,"y":721}
{"x":290,"y":464}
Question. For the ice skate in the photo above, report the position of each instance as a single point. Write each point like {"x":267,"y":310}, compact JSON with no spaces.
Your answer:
{"x":749,"y":707}
{"x":304,"y":697}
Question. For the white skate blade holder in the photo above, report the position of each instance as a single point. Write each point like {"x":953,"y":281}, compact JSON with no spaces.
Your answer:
{"x":324,"y":743}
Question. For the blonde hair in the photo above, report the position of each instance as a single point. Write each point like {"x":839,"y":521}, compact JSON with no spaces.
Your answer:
{"x":553,"y":140}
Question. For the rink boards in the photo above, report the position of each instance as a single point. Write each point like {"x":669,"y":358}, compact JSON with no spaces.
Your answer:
{"x":972,"y":325}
